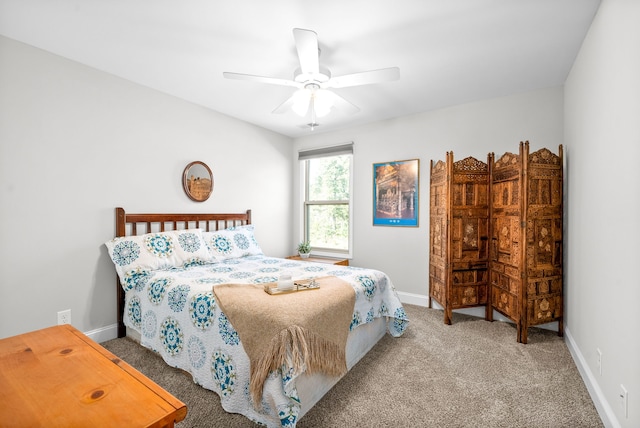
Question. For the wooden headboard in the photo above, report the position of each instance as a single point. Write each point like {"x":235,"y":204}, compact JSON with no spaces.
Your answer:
{"x":138,"y":224}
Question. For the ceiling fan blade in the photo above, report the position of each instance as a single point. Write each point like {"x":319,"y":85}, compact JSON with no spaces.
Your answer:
{"x":261,"y":79}
{"x":307,"y":47}
{"x":364,"y":78}
{"x":343,"y":105}
{"x":300,"y":103}
{"x":285,"y":106}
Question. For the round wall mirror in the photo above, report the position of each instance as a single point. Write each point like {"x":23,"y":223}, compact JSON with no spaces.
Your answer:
{"x":197,"y":181}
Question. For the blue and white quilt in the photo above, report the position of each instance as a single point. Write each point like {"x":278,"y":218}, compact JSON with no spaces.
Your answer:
{"x":175,"y":312}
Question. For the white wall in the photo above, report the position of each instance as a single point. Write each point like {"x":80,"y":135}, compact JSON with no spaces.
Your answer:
{"x":602,"y":135}
{"x":475,"y":129}
{"x":74,"y":144}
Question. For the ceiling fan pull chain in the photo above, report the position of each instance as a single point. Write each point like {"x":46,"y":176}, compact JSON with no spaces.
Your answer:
{"x":313,"y":112}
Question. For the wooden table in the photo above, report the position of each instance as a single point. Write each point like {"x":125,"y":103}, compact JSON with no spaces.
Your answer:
{"x":317,"y":259}
{"x":58,"y":377}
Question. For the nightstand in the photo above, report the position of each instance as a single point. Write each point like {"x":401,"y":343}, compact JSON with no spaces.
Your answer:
{"x":317,"y":259}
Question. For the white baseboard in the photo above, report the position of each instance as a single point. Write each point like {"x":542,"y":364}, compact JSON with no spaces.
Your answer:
{"x":602,"y":405}
{"x":413,"y":299}
{"x":103,"y":334}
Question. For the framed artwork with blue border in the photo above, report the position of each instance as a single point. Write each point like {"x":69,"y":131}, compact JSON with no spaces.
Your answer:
{"x":396,"y":193}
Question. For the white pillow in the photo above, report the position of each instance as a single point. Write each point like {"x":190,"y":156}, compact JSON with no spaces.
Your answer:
{"x":161,"y":250}
{"x":233,"y":242}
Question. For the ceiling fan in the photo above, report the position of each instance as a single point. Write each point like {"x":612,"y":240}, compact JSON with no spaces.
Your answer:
{"x":313,"y":81}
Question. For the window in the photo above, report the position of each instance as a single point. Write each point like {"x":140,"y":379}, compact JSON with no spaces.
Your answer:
{"x":326,"y":210}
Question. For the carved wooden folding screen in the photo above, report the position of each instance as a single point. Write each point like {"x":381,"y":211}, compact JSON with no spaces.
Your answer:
{"x":459,"y":232}
{"x":526,"y":238}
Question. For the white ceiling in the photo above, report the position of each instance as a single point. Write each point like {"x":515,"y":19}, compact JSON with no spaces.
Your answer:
{"x":448,"y":51}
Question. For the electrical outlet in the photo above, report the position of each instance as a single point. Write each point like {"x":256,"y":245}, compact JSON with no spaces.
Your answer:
{"x":599,"y":360}
{"x":624,"y":400}
{"x":64,"y":317}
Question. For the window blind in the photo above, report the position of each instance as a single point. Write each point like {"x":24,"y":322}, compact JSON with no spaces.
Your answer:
{"x":342,"y":149}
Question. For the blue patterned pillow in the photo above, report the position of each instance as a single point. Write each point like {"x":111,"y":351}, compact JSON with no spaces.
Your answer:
{"x":162,"y":250}
{"x":233,"y":242}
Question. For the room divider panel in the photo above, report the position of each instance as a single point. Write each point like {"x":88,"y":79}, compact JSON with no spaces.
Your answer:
{"x":496,"y":236}
{"x":459,"y":233}
{"x":526,"y":238}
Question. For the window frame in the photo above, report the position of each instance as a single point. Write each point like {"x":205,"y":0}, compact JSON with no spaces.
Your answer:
{"x":305,"y":156}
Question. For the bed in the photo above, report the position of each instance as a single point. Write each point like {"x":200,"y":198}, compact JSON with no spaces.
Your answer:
{"x":172,"y":270}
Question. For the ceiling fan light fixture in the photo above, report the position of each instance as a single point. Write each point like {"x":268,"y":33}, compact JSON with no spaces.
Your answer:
{"x":322,"y":101}
{"x":301,"y":101}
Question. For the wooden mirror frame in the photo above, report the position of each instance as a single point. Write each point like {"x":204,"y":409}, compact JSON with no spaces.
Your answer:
{"x":198,"y":184}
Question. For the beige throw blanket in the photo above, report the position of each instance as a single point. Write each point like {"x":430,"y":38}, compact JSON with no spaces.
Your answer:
{"x":307,"y":329}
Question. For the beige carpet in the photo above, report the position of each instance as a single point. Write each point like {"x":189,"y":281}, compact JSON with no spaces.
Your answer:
{"x":470,"y":374}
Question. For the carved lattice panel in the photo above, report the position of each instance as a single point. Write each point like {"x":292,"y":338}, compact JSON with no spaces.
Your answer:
{"x":544,"y":238}
{"x":506,"y":235}
{"x":437,"y":254}
{"x":438,"y":232}
{"x":544,"y":310}
{"x":526,"y":247}
{"x":437,"y":237}
{"x":467,"y":233}
{"x":503,"y":301}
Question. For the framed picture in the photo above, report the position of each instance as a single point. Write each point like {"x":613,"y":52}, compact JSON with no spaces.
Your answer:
{"x":395,"y":193}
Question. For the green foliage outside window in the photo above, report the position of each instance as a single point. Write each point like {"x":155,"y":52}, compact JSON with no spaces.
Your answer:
{"x":329,"y":178}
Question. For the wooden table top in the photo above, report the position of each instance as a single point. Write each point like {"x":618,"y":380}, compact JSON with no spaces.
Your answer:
{"x":58,"y":377}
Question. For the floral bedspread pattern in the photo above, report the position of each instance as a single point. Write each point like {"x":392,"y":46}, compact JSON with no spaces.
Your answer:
{"x":175,"y":312}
